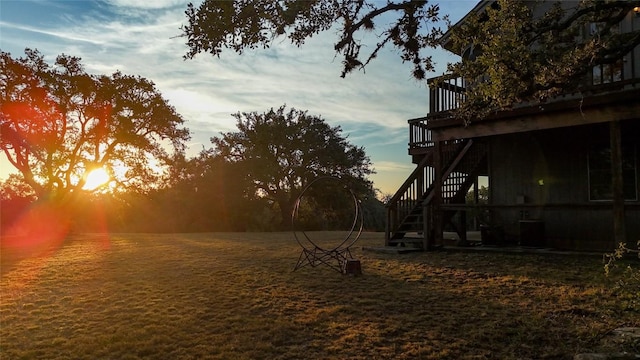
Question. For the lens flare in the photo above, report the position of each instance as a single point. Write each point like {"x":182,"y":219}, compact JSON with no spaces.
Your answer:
{"x":96,"y":178}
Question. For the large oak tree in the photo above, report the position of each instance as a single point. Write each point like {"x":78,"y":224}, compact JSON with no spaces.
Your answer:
{"x":239,"y":25}
{"x":532,"y":51}
{"x":284,"y":150}
{"x":59,"y":123}
{"x":523,"y":57}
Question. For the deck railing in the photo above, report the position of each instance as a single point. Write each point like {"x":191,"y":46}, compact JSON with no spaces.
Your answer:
{"x":446,"y":93}
{"x":419,"y":135}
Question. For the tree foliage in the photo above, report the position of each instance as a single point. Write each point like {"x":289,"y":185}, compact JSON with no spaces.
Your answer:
{"x":212,"y":193}
{"x":58,"y":123}
{"x":626,"y":276}
{"x":14,"y":187}
{"x":409,"y":26}
{"x":519,"y":55}
{"x":15,"y":198}
{"x":522,"y":51}
{"x":284,"y":150}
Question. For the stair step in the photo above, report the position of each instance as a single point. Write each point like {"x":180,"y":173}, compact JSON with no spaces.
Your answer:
{"x":391,"y":249}
{"x":410,"y":242}
{"x":461,"y":164}
{"x":413,"y":223}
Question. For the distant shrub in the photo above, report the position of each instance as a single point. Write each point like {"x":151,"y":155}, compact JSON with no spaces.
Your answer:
{"x":625,"y":276}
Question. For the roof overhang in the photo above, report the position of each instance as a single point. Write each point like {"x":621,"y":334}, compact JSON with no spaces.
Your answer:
{"x":445,"y":40}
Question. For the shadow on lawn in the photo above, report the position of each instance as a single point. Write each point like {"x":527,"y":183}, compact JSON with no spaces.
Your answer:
{"x":236,"y":296}
{"x":462,"y":305}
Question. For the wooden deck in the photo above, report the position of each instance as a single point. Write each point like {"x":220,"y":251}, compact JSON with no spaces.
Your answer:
{"x":473,"y":237}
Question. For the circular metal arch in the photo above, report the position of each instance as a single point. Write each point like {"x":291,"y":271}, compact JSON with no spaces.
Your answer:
{"x":352,"y":236}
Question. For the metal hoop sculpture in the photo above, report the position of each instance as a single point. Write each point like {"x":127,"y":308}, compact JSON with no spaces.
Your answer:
{"x":334,"y":257}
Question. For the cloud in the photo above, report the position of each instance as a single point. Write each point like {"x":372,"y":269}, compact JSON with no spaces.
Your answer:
{"x":66,"y":36}
{"x":306,"y":78}
{"x":155,"y":4}
{"x":390,"y":166}
{"x":142,"y":38}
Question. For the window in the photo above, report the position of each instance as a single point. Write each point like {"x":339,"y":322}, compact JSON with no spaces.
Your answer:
{"x":607,"y":73}
{"x":600,"y":187}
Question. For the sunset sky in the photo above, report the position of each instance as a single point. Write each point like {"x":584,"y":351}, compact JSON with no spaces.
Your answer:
{"x":142,"y":38}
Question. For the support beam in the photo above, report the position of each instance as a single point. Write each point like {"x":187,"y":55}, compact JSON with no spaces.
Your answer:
{"x":387,"y":227}
{"x":514,"y":121}
{"x":436,"y":213}
{"x":476,"y":201}
{"x":462,"y":229}
{"x":427,"y":225}
{"x":619,"y":229}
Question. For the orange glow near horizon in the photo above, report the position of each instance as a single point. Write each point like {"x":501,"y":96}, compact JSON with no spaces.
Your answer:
{"x":40,"y":233}
{"x":40,"y":229}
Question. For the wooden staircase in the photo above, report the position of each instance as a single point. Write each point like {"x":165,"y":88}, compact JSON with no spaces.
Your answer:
{"x":411,"y":212}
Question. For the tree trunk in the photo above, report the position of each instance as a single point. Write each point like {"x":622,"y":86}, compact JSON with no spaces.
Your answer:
{"x":286,"y":212}
{"x":619,"y":231}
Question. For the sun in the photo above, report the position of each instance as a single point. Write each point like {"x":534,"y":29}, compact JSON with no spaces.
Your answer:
{"x":96,"y":178}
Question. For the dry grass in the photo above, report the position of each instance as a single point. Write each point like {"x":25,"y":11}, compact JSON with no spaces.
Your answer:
{"x":234,"y":296}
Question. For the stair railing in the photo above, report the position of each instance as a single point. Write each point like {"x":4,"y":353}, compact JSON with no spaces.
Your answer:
{"x":415,"y":192}
{"x":409,"y":195}
{"x":452,"y":165}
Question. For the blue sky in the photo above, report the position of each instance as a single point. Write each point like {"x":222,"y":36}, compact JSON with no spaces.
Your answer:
{"x":140,"y":38}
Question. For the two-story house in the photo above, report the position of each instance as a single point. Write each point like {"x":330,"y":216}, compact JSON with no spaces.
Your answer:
{"x":548,"y":166}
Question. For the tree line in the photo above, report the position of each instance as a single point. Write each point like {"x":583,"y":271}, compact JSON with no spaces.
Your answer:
{"x":60,"y":123}
{"x":206,"y":193}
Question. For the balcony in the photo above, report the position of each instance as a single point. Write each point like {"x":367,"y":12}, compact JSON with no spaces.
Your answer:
{"x":447,"y":92}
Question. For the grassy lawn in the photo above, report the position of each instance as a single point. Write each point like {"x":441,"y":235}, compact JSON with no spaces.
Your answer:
{"x":234,"y":296}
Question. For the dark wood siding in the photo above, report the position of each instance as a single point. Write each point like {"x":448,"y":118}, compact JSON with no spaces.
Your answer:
{"x":544,"y":175}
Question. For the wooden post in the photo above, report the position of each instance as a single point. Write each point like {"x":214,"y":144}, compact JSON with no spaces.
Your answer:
{"x":427,"y":228}
{"x":619,"y":231}
{"x":433,"y":88}
{"x":476,"y":201}
{"x":462,"y":231}
{"x":436,"y":213}
{"x":390,"y":224}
